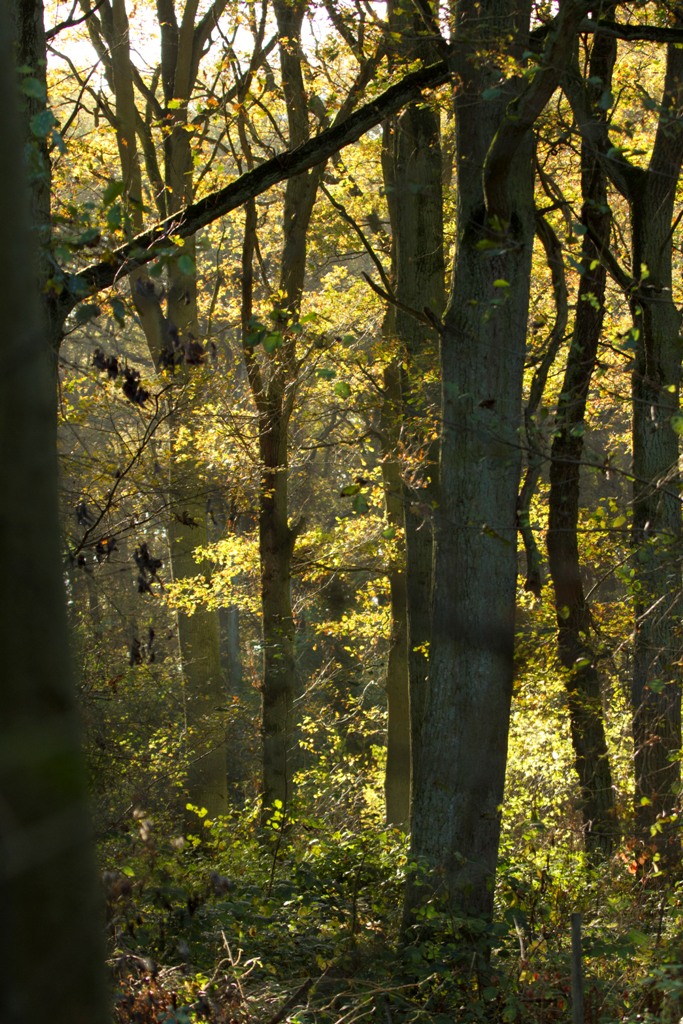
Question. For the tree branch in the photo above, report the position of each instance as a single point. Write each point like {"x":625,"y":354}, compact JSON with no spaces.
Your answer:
{"x":633,"y":33}
{"x":523,"y":112}
{"x":144,"y":247}
{"x":71,"y":22}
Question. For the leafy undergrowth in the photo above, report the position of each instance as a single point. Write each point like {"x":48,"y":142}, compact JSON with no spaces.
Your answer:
{"x":299,"y":924}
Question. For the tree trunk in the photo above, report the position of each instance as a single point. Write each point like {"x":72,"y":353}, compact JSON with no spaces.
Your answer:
{"x":273,"y":386}
{"x":460,"y":776}
{"x":656,"y":692}
{"x":573,"y":613}
{"x":53,"y":956}
{"x":398,"y":767}
{"x":279,"y":688}
{"x":169,"y":334}
{"x":412,"y":175}
{"x":656,"y":532}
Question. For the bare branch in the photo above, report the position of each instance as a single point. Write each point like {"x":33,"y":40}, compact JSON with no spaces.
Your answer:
{"x":523,"y":112}
{"x":71,"y":22}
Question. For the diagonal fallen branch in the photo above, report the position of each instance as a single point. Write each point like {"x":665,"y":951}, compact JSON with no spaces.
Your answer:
{"x":144,"y":247}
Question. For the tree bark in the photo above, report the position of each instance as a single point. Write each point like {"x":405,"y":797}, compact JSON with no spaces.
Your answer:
{"x":656,"y":694}
{"x":273,"y":384}
{"x":460,"y":776}
{"x":412,"y":175}
{"x":398,"y":768}
{"x":576,"y":652}
{"x":53,"y":956}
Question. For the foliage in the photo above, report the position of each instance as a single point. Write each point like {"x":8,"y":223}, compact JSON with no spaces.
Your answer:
{"x":298,"y":917}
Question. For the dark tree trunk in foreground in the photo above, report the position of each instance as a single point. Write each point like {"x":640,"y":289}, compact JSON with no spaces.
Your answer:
{"x":573,"y":613}
{"x":53,"y":958}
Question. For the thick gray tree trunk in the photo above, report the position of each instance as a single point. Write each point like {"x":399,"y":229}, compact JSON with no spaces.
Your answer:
{"x":460,"y":776}
{"x":53,"y":956}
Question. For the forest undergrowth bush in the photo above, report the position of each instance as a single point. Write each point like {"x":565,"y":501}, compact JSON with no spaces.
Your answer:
{"x":231,"y":922}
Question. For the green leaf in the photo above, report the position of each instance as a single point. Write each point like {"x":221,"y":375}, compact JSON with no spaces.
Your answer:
{"x":186,"y":265}
{"x":113,"y":190}
{"x":114,"y":217}
{"x":118,"y":309}
{"x":175,"y":104}
{"x":42,"y":124}
{"x":89,"y":237}
{"x":487,"y":243}
{"x":58,"y":142}
{"x":256,"y":333}
{"x":342,"y":389}
{"x":33,"y":88}
{"x":327,"y":373}
{"x":576,"y":264}
{"x":360,"y":504}
{"x":349,"y":490}
{"x":87,"y":311}
{"x":271,"y":341}
{"x":676,"y":422}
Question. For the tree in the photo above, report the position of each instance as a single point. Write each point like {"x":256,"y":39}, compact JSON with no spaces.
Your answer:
{"x":53,"y":952}
{"x":650,"y":194}
{"x":171,"y":329}
{"x":573,"y":613}
{"x":459,"y":778}
{"x":413,"y":171}
{"x":66,"y":290}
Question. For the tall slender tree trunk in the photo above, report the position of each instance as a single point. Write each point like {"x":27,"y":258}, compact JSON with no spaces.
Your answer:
{"x":573,"y":613}
{"x":273,"y":386}
{"x":170,"y":332}
{"x":656,"y":693}
{"x":413,"y":174}
{"x":655,"y":385}
{"x":398,"y":767}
